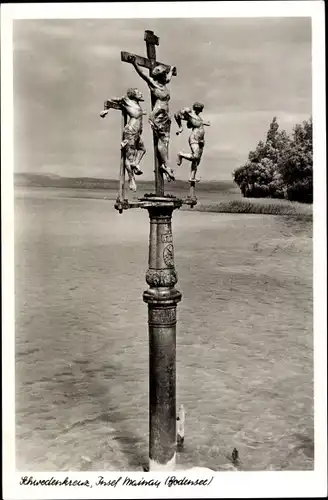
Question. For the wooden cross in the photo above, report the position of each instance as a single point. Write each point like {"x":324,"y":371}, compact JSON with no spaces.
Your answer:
{"x":150,"y":62}
{"x":121,"y":199}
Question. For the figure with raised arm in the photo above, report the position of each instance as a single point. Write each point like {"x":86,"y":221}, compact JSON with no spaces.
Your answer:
{"x":159,"y":118}
{"x":132,"y":143}
{"x":196,"y":138}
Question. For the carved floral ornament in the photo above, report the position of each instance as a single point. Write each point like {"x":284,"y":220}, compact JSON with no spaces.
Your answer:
{"x":161,"y":277}
{"x":168,"y":255}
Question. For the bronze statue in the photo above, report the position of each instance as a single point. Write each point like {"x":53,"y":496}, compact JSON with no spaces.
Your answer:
{"x":196,"y":138}
{"x":132,"y":143}
{"x":159,"y":118}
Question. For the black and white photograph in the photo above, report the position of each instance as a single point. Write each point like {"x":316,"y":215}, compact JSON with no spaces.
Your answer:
{"x":163,"y":252}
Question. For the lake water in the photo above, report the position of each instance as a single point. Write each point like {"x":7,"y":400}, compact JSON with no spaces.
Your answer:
{"x":244,"y":336}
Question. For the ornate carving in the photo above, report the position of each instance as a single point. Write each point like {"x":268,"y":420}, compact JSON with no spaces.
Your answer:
{"x":161,"y":277}
{"x":168,"y":256}
{"x":159,"y":118}
{"x":162,"y":317}
{"x":196,"y":138}
{"x":166,"y":238}
{"x":132,"y":144}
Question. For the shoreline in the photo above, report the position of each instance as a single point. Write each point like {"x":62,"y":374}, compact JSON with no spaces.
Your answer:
{"x":211,"y":202}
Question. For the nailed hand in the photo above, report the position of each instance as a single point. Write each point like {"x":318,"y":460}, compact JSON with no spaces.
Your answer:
{"x":132,"y":58}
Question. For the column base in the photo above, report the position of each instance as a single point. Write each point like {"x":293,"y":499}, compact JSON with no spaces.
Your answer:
{"x":156,"y":466}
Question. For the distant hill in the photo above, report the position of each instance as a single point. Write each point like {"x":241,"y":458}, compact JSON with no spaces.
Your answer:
{"x":56,"y":181}
{"x":48,"y":180}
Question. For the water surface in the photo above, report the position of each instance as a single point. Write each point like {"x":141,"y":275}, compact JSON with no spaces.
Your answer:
{"x":244,"y":337}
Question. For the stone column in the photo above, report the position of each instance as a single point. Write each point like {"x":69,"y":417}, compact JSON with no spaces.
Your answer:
{"x":162,"y":298}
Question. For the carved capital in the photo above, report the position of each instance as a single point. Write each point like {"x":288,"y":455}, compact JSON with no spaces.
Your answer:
{"x":161,"y":277}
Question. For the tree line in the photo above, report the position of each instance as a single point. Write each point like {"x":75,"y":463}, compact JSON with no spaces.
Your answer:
{"x":280,"y":167}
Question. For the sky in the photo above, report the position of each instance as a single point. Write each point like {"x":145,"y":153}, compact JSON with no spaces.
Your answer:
{"x":244,"y":70}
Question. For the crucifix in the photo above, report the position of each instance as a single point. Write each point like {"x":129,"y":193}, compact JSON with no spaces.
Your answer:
{"x":132,"y":146}
{"x":162,"y":297}
{"x":159,"y":75}
{"x":121,"y":193}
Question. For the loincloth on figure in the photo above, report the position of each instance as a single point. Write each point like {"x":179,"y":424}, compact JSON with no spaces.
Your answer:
{"x":197,"y":136}
{"x":132,"y":138}
{"x":161,"y":124}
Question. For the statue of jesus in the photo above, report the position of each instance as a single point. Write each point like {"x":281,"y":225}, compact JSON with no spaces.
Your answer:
{"x":132,"y":143}
{"x":196,"y":138}
{"x":159,"y":118}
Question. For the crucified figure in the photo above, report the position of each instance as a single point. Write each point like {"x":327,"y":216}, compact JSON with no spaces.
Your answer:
{"x":196,"y":138}
{"x":159,"y":118}
{"x":132,"y":143}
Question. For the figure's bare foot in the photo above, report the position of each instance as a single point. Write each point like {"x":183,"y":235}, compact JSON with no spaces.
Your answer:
{"x":137,"y":170}
{"x":168,"y":172}
{"x":194,"y":179}
{"x":167,"y":177}
{"x":132,"y":185}
{"x":179,"y":159}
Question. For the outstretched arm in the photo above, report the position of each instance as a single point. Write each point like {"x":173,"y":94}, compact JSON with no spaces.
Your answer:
{"x":142,"y":75}
{"x":113,"y":103}
{"x":179,"y":116}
